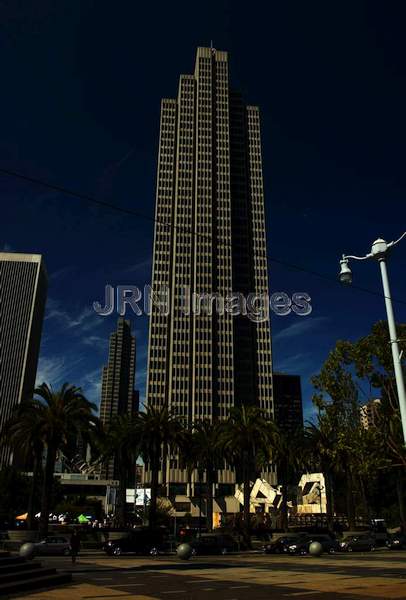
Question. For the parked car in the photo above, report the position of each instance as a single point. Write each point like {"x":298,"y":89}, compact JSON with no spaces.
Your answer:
{"x":141,"y":541}
{"x":53,"y":545}
{"x":328,"y":544}
{"x":214,"y":543}
{"x":397,"y":541}
{"x":281,"y":545}
{"x":362,"y":542}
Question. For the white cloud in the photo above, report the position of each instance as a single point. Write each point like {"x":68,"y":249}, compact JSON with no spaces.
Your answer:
{"x":300,"y":327}
{"x":56,"y":370}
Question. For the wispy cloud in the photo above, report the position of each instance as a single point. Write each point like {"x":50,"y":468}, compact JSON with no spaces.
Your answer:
{"x":83,"y":321}
{"x":91,"y":385}
{"x":136,"y":267}
{"x":6,"y":247}
{"x":56,"y":370}
{"x":61,"y":273}
{"x":300,"y":327}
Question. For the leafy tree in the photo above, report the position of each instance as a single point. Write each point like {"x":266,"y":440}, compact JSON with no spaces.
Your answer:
{"x":202,"y":452}
{"x":22,"y":433}
{"x":14,"y":493}
{"x":57,"y":415}
{"x":247,"y":440}
{"x":158,"y":431}
{"x":119,"y":442}
{"x":287,"y":453}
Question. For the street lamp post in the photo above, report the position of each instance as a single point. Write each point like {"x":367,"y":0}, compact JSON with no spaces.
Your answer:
{"x":379,"y":251}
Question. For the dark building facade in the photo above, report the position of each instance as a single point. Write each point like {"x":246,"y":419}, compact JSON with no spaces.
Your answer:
{"x":23,"y":290}
{"x":288,"y":407}
{"x":209,"y":239}
{"x":118,"y":396}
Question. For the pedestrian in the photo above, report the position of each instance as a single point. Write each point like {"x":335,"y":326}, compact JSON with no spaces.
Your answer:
{"x":74,"y":545}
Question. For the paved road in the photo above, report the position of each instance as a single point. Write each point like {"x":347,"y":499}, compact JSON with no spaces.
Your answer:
{"x":357,"y":576}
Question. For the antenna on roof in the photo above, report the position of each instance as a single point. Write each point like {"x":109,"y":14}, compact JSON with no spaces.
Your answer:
{"x":211,"y":46}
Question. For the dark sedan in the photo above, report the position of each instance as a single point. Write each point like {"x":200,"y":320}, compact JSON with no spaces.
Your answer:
{"x":212,"y":543}
{"x":397,"y":541}
{"x":281,"y":545}
{"x":361,"y":543}
{"x":141,"y":541}
{"x":327,"y":543}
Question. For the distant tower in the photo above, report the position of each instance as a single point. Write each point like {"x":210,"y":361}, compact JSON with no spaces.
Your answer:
{"x":23,"y":290}
{"x":118,"y":396}
{"x":287,"y":398}
{"x":209,"y":237}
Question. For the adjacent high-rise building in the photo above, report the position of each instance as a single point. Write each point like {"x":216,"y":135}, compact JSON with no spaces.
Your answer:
{"x":287,"y":398}
{"x":118,"y":396}
{"x":210,"y":239}
{"x":23,"y":289}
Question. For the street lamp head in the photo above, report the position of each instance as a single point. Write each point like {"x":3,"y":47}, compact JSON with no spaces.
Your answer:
{"x":345,"y":275}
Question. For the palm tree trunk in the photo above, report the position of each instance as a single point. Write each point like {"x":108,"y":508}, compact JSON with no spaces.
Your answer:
{"x":154,"y":492}
{"x":365,"y":502}
{"x":350,"y":500}
{"x":400,"y":496}
{"x":35,"y":472}
{"x":209,"y":504}
{"x":47,"y":489}
{"x":121,"y":495}
{"x":247,"y":503}
{"x":284,"y":505}
{"x":329,"y":500}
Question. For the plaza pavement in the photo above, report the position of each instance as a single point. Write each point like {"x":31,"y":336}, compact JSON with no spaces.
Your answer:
{"x":380,"y":574}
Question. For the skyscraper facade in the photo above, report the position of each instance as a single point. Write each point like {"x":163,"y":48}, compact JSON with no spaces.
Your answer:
{"x":118,"y":396}
{"x":288,"y":407}
{"x":23,"y":289}
{"x":209,"y":239}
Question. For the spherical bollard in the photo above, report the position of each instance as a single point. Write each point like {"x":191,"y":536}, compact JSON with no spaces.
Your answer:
{"x":184,"y":551}
{"x":315,"y":549}
{"x":27,"y":550}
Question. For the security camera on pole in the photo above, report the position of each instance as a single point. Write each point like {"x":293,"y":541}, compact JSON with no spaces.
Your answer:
{"x":379,"y":251}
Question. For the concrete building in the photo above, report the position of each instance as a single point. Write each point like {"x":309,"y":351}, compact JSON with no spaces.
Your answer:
{"x":210,"y":242}
{"x":368,"y":413}
{"x":287,"y":397}
{"x":23,"y":289}
{"x":118,"y":396}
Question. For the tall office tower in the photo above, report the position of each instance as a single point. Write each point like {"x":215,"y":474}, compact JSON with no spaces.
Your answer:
{"x":23,"y":290}
{"x":287,"y":399}
{"x":118,"y":396}
{"x":209,"y":239}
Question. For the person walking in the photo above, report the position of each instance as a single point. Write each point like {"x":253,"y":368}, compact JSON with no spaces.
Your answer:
{"x":74,"y":545}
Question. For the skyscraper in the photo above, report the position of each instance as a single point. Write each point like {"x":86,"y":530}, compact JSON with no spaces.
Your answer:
{"x":118,"y":396}
{"x":287,"y":397}
{"x":23,"y":289}
{"x":210,"y":239}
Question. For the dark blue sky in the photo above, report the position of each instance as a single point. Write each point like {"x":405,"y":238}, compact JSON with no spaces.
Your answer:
{"x":79,"y":107}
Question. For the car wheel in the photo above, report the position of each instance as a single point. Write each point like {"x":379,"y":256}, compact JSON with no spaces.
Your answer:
{"x":66,"y":552}
{"x":117,"y":551}
{"x":331,"y":551}
{"x":154,"y":551}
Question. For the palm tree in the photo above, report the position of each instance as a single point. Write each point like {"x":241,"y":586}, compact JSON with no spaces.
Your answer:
{"x":287,"y":454}
{"x":59,"y":413}
{"x":158,"y":430}
{"x":247,"y":440}
{"x":119,"y":442}
{"x":202,"y":453}
{"x":22,"y":433}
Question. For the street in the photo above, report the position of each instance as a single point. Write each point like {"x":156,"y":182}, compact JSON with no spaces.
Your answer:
{"x":381,"y":574}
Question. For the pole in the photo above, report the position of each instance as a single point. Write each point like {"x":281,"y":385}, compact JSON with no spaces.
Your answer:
{"x":395,"y":346}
